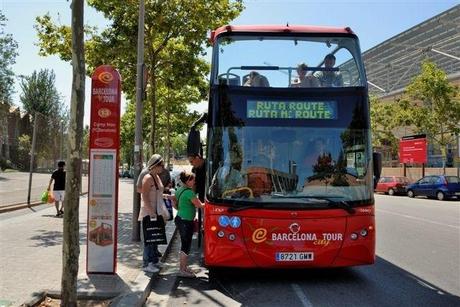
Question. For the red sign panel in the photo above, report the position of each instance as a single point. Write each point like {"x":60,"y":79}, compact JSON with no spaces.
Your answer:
{"x":103,"y":171}
{"x":105,"y":108}
{"x":412,"y":150}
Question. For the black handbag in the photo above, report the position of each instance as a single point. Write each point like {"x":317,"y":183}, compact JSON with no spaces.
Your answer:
{"x":154,"y":231}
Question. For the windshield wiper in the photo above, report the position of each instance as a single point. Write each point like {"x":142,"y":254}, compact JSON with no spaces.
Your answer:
{"x":343,"y":205}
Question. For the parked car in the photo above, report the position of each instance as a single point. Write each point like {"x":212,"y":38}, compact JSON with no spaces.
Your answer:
{"x":392,"y":185}
{"x":440,"y":187}
{"x":127,"y":174}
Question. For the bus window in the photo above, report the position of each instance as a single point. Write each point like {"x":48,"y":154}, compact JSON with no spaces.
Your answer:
{"x":262,"y":58}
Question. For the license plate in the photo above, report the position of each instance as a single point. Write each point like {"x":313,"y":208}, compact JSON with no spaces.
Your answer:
{"x":297,"y":256}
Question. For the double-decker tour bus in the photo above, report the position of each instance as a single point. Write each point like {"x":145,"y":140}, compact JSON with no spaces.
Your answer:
{"x":289,"y":161}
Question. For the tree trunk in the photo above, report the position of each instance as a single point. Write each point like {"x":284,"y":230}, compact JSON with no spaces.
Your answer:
{"x":71,"y":246}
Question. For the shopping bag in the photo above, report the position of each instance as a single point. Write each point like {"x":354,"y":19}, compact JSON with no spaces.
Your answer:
{"x":44,"y":197}
{"x":50,"y":198}
{"x":168,"y":204}
{"x":154,"y":230}
{"x":163,"y":211}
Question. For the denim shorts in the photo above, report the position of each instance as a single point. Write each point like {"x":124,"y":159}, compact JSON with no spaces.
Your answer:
{"x":186,"y":233}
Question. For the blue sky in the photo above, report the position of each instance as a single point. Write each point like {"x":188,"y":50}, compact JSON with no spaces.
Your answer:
{"x":373,"y":22}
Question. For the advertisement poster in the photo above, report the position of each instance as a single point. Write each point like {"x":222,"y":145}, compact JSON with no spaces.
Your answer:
{"x":103,"y":171}
{"x":413,"y":149}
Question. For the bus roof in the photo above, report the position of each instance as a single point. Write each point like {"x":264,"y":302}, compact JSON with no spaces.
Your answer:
{"x":279,"y":29}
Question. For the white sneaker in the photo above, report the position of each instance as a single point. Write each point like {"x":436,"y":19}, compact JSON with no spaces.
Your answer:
{"x":151,"y":268}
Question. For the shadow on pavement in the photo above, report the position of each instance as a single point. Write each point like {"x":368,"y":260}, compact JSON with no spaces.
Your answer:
{"x":46,"y":238}
{"x":382,"y":284}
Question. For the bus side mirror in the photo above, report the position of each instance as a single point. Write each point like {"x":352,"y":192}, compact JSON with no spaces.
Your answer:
{"x":193,"y":142}
{"x":377,"y":158}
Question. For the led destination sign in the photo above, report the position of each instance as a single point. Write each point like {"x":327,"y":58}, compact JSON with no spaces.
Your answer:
{"x":292,"y":109}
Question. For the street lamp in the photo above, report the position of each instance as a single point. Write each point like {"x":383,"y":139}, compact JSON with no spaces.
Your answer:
{"x":32,"y":154}
{"x":138,"y":132}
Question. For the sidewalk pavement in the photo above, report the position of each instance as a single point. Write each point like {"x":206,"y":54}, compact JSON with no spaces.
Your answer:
{"x":31,"y":256}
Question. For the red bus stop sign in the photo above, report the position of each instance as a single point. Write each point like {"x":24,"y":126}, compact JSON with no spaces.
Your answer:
{"x":104,"y":139}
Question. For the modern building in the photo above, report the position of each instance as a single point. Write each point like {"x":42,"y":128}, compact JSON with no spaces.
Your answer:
{"x":392,"y":64}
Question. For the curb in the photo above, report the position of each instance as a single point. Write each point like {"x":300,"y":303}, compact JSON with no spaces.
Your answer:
{"x":14,"y":207}
{"x":18,"y":206}
{"x":38,"y":297}
{"x":141,"y":292}
{"x":136,"y":297}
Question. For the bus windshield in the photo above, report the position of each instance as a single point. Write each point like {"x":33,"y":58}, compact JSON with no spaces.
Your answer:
{"x":288,"y":61}
{"x":291,"y":150}
{"x":276,"y":164}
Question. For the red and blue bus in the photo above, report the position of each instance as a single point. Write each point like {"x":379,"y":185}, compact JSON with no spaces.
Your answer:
{"x":289,"y":162}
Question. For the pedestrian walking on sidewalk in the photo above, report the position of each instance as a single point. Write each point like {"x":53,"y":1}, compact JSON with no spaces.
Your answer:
{"x":59,"y":187}
{"x":186,"y":201}
{"x":152,"y":195}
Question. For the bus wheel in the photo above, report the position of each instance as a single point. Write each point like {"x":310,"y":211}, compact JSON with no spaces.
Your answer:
{"x":440,"y":195}
{"x":411,"y":194}
{"x":391,"y":192}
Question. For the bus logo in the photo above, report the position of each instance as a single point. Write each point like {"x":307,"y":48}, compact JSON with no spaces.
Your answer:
{"x":259,"y":235}
{"x":104,"y":112}
{"x":105,"y":77}
{"x":294,"y":227}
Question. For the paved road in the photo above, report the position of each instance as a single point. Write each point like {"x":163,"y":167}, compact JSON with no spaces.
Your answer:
{"x":14,"y":187}
{"x":417,"y":265}
{"x":422,"y":236}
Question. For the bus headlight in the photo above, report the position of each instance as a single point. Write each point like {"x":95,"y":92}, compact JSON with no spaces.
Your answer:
{"x":363,"y":232}
{"x":354,"y":236}
{"x":232,"y":237}
{"x":221,"y":234}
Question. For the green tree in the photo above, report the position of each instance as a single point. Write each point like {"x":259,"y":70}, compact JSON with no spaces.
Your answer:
{"x":175,"y":41}
{"x":386,"y":117}
{"x":24,"y":147}
{"x":8,"y":53}
{"x":71,"y":244}
{"x":39,"y":95}
{"x":434,"y":105}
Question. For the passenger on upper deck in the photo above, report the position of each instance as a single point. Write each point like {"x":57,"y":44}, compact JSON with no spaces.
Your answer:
{"x":303,"y":79}
{"x":256,"y":79}
{"x":329,"y":78}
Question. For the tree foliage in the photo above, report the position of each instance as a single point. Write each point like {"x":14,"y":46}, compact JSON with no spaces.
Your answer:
{"x":8,"y":53}
{"x":386,"y":117}
{"x":430,"y":105}
{"x":175,"y":41}
{"x":434,"y":104}
{"x":39,"y":95}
